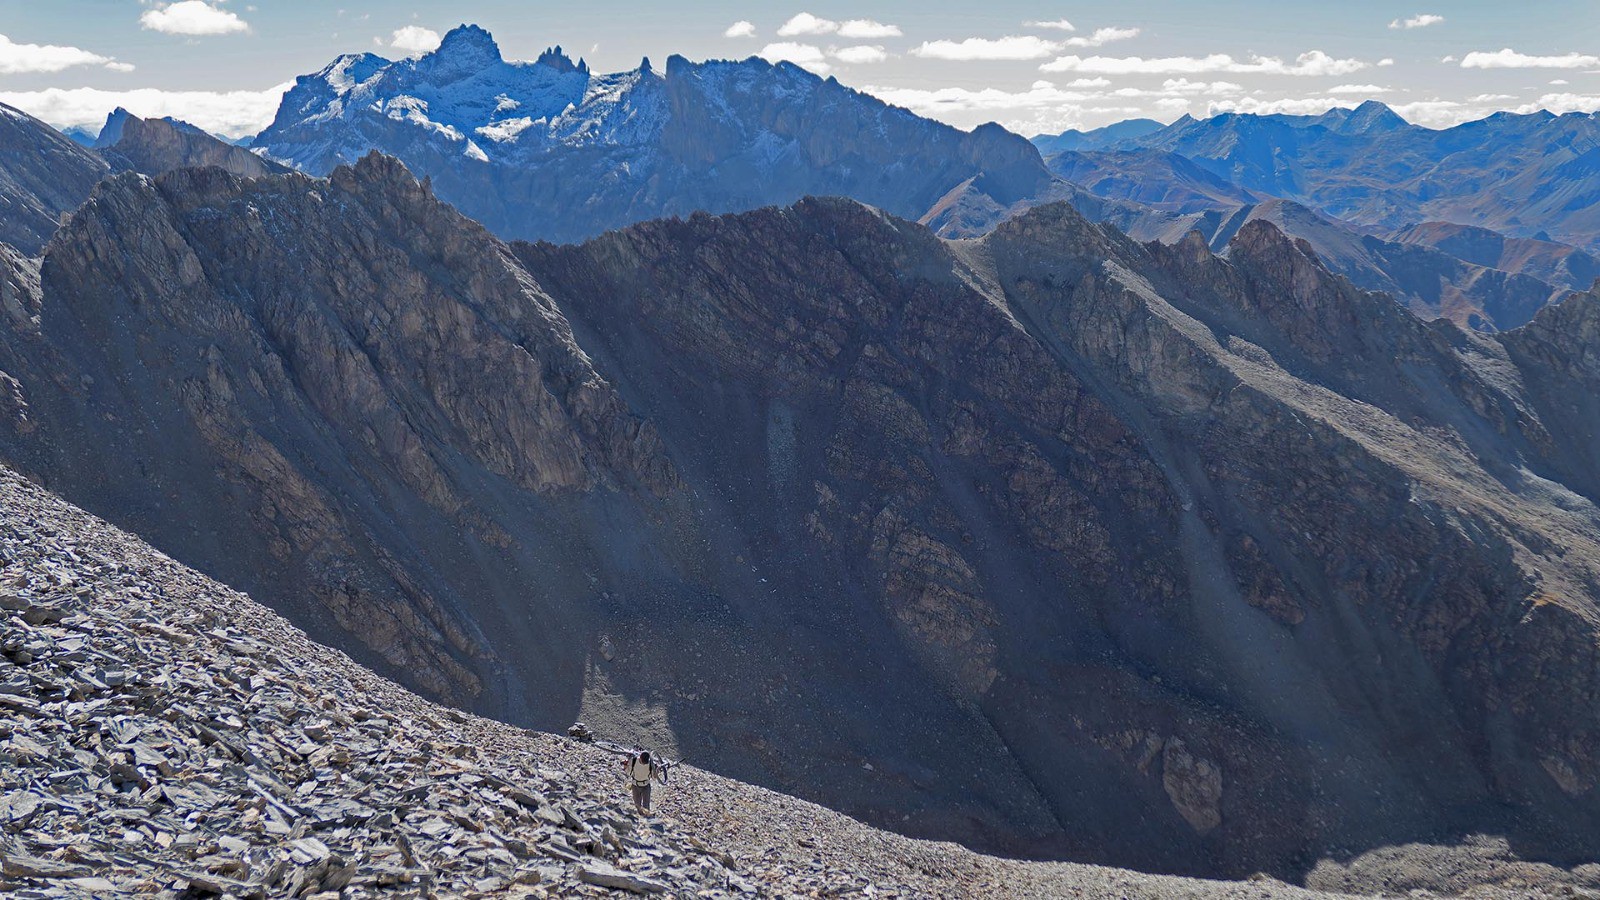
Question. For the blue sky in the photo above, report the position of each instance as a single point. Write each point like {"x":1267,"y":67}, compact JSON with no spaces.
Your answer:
{"x":1032,"y":66}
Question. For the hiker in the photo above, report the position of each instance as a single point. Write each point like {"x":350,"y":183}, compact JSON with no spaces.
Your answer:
{"x":641,"y":771}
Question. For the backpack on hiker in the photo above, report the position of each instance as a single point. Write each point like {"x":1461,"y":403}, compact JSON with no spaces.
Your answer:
{"x":641,"y":770}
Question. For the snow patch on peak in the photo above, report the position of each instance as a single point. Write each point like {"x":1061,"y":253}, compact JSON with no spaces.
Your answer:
{"x":505,"y":130}
{"x":468,"y":43}
{"x":352,"y":69}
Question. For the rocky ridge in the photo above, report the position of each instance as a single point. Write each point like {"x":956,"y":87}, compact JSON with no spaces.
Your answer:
{"x":154,"y":146}
{"x":966,"y":538}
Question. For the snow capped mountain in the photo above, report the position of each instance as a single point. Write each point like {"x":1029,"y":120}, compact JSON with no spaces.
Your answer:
{"x":548,"y":149}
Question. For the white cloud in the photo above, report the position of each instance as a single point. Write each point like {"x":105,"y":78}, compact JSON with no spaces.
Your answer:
{"x":806,"y":56}
{"x":1292,"y":106}
{"x":1103,"y":36}
{"x":1511,"y":59}
{"x":1180,"y":87}
{"x":806,"y":23}
{"x":1418,"y":21}
{"x":1450,"y":59}
{"x":866,"y":28}
{"x":1079,"y":96}
{"x":1386,"y":61}
{"x":1438,"y":113}
{"x":1185,"y":86}
{"x":414,"y":39}
{"x":860,"y":54}
{"x":1042,"y":94}
{"x":1046,"y":94}
{"x":740,"y":29}
{"x":18,"y":59}
{"x":1559,"y":81}
{"x":1313,"y":62}
{"x":231,"y":113}
{"x":1013,"y":47}
{"x":1016,"y":47}
{"x":1561,"y":103}
{"x":1490,"y":98}
{"x":1058,"y":24}
{"x":192,"y":17}
{"x":1367,"y":89}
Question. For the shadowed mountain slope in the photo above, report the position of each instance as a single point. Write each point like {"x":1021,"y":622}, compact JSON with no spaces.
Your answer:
{"x":43,"y":174}
{"x":1051,"y":542}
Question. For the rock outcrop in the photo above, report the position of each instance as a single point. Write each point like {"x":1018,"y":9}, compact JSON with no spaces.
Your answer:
{"x":154,"y":146}
{"x":247,"y":307}
{"x":1051,"y":541}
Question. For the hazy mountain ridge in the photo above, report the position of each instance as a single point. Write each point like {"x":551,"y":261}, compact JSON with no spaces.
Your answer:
{"x":1160,"y":180}
{"x":1432,"y":283}
{"x":1522,"y":175}
{"x":1094,"y":138}
{"x":1562,"y":265}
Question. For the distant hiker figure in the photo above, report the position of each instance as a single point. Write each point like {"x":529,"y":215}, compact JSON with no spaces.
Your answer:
{"x":641,"y":771}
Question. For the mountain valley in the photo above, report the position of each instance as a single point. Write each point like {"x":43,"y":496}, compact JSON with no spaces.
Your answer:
{"x":1199,"y":499}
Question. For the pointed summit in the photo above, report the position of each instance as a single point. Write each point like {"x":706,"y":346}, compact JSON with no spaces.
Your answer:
{"x":557,"y":59}
{"x":111,"y":132}
{"x":1372,"y":116}
{"x":467,"y":45}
